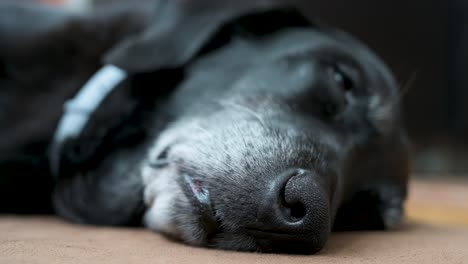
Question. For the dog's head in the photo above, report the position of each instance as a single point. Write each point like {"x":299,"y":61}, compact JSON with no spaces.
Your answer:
{"x":275,"y":126}
{"x":263,"y":127}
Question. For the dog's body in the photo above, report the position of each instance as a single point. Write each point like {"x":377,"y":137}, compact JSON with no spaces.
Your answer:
{"x":261,"y":133}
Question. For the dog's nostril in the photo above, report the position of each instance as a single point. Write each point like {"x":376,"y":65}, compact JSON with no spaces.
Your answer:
{"x":298,"y":211}
{"x":292,"y":211}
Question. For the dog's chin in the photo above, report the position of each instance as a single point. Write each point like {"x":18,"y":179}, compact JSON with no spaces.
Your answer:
{"x":178,"y":207}
{"x":168,"y":209}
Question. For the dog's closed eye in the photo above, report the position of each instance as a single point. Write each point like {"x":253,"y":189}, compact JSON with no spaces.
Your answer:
{"x":342,"y":79}
{"x":161,"y":161}
{"x":342,"y":88}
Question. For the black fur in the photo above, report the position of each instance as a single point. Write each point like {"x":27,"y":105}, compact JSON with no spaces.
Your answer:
{"x":237,"y":97}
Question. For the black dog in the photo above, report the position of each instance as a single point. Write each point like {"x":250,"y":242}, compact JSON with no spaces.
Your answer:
{"x":238,"y":126}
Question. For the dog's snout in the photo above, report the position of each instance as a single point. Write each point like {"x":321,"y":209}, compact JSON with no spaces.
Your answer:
{"x":293,"y":216}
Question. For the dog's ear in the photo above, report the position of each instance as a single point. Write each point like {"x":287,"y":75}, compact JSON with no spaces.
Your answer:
{"x":178,"y":30}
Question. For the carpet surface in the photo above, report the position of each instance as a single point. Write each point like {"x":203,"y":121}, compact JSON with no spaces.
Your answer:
{"x":50,"y":240}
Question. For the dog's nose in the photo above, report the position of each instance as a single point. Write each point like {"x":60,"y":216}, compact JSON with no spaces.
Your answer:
{"x":294,"y":216}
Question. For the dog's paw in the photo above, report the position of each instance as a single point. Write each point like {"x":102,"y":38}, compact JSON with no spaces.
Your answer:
{"x":391,"y":209}
{"x":372,"y":209}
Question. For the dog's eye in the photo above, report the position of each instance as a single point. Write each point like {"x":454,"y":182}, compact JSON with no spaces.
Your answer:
{"x":343,"y":80}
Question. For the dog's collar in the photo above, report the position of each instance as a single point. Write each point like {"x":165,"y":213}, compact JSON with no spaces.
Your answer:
{"x":78,"y":110}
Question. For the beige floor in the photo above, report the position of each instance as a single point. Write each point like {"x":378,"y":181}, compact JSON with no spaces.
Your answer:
{"x":439,"y":202}
{"x":430,"y":236}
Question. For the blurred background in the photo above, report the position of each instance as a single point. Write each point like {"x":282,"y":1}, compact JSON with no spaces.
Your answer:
{"x":425,"y":43}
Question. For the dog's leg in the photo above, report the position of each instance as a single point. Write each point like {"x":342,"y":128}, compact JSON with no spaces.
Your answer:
{"x":371,"y":209}
{"x":110,"y":195}
{"x":379,"y":172}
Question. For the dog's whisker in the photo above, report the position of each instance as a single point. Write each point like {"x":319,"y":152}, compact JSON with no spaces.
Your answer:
{"x":406,"y":85}
{"x":385,"y":108}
